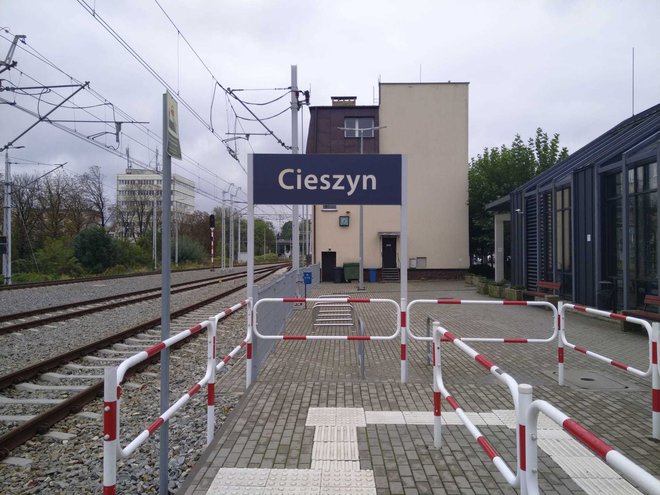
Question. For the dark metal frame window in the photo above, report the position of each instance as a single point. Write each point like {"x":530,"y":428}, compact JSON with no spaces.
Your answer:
{"x":354,"y":126}
{"x":564,"y":241}
{"x":329,"y":208}
{"x":563,"y":230}
{"x":612,"y":228}
{"x":642,"y":184}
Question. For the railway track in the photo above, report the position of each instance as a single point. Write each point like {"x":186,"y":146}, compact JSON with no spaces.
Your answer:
{"x":68,"y":375}
{"x":45,"y":316}
{"x":34,"y":285}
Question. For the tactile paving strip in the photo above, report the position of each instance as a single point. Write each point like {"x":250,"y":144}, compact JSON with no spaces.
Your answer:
{"x":384,"y":417}
{"x":585,"y":467}
{"x":335,"y":416}
{"x":348,"y":479}
{"x":335,"y":434}
{"x":241,"y":477}
{"x":335,"y":451}
{"x":556,"y":447}
{"x":294,"y":477}
{"x":418,"y":417}
{"x":333,"y":490}
{"x":336,"y":465}
{"x":606,"y":486}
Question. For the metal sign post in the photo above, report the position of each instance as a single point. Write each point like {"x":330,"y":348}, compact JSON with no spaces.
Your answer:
{"x":171,"y":148}
{"x":332,"y":179}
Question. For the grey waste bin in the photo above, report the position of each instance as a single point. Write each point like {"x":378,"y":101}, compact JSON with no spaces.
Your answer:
{"x":339,"y":274}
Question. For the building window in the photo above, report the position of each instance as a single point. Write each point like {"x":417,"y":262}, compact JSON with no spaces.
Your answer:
{"x":329,"y":208}
{"x":642,"y":231}
{"x":563,"y":206}
{"x":356,"y":126}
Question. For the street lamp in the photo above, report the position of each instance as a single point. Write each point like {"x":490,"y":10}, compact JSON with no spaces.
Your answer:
{"x":361,"y":235}
{"x":238,"y":214}
{"x":6,"y":260}
{"x":231,"y":228}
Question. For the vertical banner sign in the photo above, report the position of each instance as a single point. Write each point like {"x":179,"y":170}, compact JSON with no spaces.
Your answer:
{"x":173,"y":145}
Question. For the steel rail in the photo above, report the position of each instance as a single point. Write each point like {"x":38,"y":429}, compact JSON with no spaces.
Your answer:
{"x":41,"y":423}
{"x":124,"y":300}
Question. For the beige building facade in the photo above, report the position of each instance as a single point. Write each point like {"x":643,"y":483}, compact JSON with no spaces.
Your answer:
{"x":428,"y":124}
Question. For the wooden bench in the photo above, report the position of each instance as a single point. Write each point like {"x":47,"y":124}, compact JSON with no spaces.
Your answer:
{"x":546,"y":291}
{"x":649,"y":300}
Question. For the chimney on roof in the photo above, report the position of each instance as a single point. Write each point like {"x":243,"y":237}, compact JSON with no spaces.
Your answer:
{"x":343,"y":101}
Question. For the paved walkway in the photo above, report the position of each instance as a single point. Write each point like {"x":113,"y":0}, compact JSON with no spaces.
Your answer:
{"x":310,"y":424}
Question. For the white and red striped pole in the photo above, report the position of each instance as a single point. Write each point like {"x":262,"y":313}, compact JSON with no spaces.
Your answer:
{"x":620,"y":463}
{"x":110,"y":433}
{"x":210,"y":386}
{"x":655,"y":379}
{"x":248,"y":341}
{"x":525,"y":396}
{"x":404,"y":340}
{"x":560,"y":344}
{"x":437,"y":395}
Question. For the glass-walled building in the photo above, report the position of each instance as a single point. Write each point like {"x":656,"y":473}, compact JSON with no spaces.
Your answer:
{"x":591,"y":221}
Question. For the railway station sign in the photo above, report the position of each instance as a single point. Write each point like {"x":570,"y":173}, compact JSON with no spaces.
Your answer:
{"x":327,"y":179}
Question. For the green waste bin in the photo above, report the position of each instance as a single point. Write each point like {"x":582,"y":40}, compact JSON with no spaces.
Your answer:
{"x":351,"y":271}
{"x":373,"y":274}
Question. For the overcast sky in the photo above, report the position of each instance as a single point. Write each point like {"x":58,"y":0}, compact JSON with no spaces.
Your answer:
{"x":565,"y":66}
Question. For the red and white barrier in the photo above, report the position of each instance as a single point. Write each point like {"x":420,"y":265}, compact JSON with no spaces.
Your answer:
{"x":653,"y":370}
{"x":254,"y":332}
{"x":544,"y":304}
{"x":620,"y":463}
{"x":439,"y":390}
{"x":114,"y":376}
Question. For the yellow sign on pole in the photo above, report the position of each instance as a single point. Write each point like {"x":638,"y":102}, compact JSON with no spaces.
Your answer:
{"x":173,"y":144}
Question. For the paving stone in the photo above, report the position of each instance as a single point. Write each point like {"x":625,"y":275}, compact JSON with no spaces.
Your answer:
{"x":295,"y":402}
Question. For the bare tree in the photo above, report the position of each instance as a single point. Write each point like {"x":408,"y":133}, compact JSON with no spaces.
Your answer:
{"x":78,"y":212}
{"x":52,"y":200}
{"x":28,"y":214}
{"x":93,"y":189}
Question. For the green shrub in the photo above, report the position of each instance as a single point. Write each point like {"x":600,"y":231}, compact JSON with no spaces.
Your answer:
{"x":56,"y":258}
{"x":266,"y":258}
{"x":94,"y":249}
{"x":189,"y":250}
{"x":28,"y":278}
{"x":132,"y":255}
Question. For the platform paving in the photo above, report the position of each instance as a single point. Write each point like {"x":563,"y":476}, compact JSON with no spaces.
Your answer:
{"x":310,"y":424}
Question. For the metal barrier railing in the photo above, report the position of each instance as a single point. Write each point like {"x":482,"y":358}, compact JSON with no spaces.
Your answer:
{"x":653,"y":331}
{"x":253,"y":332}
{"x":527,"y":410}
{"x":439,"y":390}
{"x":620,"y":463}
{"x":329,"y":314}
{"x":114,"y":376}
{"x":360,"y":346}
{"x":544,"y":304}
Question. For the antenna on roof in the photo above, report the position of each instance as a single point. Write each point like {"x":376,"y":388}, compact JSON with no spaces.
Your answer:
{"x":633,"y":81}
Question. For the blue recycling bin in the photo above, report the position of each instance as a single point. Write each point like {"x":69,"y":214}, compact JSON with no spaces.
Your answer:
{"x":373,"y":274}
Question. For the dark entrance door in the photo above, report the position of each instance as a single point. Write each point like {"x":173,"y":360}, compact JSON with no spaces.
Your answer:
{"x":328,"y":264}
{"x":389,"y":252}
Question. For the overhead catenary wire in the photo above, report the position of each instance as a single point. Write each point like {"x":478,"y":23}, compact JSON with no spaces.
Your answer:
{"x":156,"y":75}
{"x":148,"y":133}
{"x":105,"y":103}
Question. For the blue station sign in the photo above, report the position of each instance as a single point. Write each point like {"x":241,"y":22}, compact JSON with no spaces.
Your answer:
{"x":327,"y":179}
